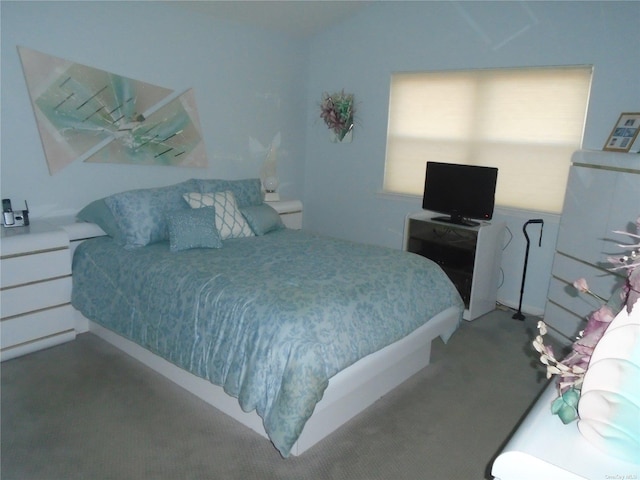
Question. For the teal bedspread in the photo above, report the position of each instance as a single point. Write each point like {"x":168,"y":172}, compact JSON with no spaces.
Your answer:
{"x":270,"y":319}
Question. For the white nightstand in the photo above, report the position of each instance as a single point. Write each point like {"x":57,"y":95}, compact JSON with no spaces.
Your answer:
{"x":35,"y":289}
{"x":290,"y":211}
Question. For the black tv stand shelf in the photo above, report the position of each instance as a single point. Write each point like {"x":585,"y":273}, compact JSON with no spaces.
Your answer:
{"x":457,"y":221}
{"x":469,"y":255}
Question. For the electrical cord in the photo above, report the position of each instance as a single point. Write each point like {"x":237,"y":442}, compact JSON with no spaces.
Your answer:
{"x":502,"y":278}
{"x":510,"y":238}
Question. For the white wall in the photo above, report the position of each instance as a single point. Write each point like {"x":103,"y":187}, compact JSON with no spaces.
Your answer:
{"x":252,"y":83}
{"x":343,"y":181}
{"x":247,"y":83}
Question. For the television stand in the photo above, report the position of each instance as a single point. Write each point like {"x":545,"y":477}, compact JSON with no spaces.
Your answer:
{"x":469,"y":255}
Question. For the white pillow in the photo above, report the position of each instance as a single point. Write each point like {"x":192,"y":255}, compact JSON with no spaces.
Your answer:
{"x":229,"y":220}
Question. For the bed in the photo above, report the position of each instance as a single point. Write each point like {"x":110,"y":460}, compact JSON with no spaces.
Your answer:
{"x":289,"y":332}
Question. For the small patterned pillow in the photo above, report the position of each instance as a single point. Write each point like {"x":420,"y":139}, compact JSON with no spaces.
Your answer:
{"x":262,"y":218}
{"x":229,"y":220}
{"x":194,"y":228}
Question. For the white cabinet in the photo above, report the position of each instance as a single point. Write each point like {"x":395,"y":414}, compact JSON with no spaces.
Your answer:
{"x":290,"y":211}
{"x":35,"y":289}
{"x":470,"y":256}
{"x":603,"y":195}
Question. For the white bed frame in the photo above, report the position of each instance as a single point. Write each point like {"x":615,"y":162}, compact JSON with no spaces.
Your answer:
{"x":349,"y":392}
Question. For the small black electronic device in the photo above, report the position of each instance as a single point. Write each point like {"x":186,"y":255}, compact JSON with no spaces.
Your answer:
{"x":11,"y":218}
{"x":461,"y":192}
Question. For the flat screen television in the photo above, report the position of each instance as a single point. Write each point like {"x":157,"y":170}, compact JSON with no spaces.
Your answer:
{"x":460,"y":192}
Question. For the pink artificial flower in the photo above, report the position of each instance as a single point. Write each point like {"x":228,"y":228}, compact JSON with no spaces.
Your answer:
{"x":583,"y":348}
{"x":578,"y":359}
{"x":581,"y":285}
{"x":633,"y":285}
{"x":596,"y":326}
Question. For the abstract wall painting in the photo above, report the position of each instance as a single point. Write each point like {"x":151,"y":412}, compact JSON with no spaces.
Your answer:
{"x":87,"y":114}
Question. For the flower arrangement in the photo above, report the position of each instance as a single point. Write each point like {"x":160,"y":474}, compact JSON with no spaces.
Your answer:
{"x":572,"y":369}
{"x":337,"y":110}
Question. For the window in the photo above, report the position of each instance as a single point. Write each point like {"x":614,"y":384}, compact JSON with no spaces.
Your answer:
{"x":527,"y":122}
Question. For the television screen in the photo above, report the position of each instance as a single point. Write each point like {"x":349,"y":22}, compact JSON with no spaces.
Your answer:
{"x":461,"y":192}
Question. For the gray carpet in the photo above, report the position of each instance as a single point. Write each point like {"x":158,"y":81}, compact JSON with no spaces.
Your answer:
{"x":84,"y":410}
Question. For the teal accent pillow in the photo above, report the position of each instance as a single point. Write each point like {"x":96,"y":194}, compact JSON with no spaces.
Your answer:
{"x":262,"y":218}
{"x":97,"y":212}
{"x":140,"y":215}
{"x":247,"y":191}
{"x":193,"y":228}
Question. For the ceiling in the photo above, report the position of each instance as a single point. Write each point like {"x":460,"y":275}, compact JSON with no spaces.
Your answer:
{"x":299,"y":18}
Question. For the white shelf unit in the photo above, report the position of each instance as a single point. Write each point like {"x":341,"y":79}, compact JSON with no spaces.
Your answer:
{"x":603,"y":195}
{"x":35,"y":289}
{"x":470,"y":256}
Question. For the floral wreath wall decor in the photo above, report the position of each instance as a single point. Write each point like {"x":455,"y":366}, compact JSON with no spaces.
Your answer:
{"x":337,"y":111}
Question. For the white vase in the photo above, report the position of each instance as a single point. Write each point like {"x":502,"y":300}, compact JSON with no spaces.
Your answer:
{"x":609,"y":406}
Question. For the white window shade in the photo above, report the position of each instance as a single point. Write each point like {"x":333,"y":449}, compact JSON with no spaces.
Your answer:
{"x":526,"y":122}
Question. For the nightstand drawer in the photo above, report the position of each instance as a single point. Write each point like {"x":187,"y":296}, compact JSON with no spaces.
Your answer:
{"x":21,"y":269}
{"x":33,"y":326}
{"x":35,"y":296}
{"x":292,"y":220}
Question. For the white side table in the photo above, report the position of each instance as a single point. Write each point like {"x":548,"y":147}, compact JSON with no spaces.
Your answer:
{"x":290,"y":211}
{"x":470,"y":256}
{"x":35,"y":289}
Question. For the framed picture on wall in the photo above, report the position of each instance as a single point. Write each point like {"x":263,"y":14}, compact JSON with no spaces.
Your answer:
{"x":624,"y":133}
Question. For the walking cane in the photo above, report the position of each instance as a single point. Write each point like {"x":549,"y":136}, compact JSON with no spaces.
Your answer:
{"x":518,"y":315}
